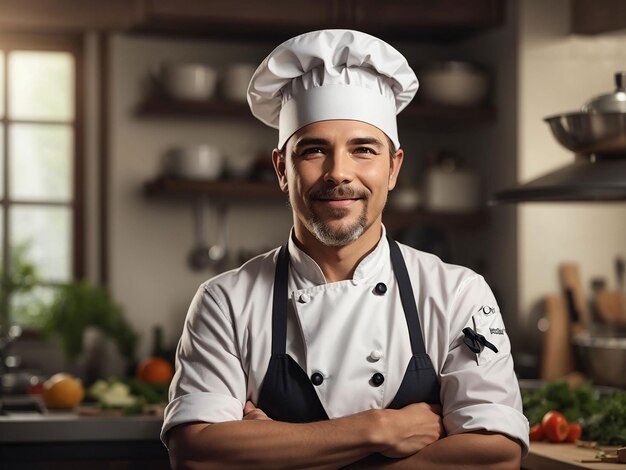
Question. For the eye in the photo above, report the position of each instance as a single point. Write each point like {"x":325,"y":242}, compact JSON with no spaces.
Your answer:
{"x":365,"y":151}
{"x":310,"y":152}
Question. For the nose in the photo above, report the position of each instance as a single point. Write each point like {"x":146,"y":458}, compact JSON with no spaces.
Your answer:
{"x":339,"y":168}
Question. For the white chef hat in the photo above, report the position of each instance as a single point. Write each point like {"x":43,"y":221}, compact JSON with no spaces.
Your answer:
{"x":332,"y":74}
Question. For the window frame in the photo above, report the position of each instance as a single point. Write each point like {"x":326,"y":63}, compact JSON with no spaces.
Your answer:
{"x":74,"y":45}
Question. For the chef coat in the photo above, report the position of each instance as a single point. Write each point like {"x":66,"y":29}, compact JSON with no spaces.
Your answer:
{"x":337,"y":330}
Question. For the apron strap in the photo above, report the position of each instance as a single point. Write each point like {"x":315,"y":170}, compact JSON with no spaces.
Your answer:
{"x":407,"y":297}
{"x":280,"y":302}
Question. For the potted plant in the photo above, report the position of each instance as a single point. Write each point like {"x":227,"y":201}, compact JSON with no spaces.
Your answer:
{"x":79,"y":306}
{"x":21,"y":278}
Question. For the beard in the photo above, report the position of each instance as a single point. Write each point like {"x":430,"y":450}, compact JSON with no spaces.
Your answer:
{"x":346,"y":233}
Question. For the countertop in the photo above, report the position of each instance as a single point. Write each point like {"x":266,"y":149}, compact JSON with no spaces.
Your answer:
{"x":546,"y":456}
{"x":42,"y":441}
{"x":70,"y":427}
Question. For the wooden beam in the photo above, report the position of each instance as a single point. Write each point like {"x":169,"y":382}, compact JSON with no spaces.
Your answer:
{"x":65,"y":16}
{"x":598,"y":16}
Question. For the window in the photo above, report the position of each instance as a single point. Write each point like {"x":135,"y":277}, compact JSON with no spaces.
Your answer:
{"x":40,"y":168}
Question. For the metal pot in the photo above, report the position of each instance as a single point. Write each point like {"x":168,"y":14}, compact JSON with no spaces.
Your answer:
{"x":599,"y":128}
{"x":604,"y":358}
{"x":611,"y":102}
{"x":587,"y":133}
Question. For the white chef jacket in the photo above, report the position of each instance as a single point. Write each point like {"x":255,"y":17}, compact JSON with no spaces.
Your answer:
{"x":346,"y":331}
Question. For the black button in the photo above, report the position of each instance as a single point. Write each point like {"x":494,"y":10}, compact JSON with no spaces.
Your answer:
{"x":380,"y":289}
{"x":317,"y":378}
{"x":378,"y":379}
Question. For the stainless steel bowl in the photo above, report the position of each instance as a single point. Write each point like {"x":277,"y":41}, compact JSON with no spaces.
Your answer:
{"x":587,"y":133}
{"x":603,"y":358}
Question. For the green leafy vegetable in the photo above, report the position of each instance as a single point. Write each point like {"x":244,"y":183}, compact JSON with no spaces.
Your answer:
{"x":603,"y":417}
{"x":608,"y":426}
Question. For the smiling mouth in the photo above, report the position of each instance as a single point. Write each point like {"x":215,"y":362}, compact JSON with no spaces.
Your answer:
{"x":341,"y":202}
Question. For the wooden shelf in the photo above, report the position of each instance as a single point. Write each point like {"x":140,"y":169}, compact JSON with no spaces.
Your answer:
{"x":253,"y":191}
{"x":233,"y":190}
{"x":158,"y":106}
{"x":397,"y":220}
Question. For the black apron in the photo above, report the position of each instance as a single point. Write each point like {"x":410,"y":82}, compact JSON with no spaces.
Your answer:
{"x":288,"y":394}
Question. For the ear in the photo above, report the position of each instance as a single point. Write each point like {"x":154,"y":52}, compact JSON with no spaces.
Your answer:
{"x":394,"y":170}
{"x":280,"y":166}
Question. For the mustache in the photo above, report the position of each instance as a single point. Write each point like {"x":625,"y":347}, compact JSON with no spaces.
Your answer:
{"x":338,"y":192}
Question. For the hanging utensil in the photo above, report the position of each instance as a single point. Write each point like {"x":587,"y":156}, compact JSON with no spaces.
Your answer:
{"x":218,"y":252}
{"x":199,"y":257}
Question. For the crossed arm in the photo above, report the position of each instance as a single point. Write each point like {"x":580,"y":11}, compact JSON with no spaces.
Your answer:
{"x":407,"y":438}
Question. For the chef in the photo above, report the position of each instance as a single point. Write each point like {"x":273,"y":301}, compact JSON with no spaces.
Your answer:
{"x":342,"y":347}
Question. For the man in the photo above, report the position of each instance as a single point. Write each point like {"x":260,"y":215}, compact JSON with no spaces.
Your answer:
{"x":342,"y":347}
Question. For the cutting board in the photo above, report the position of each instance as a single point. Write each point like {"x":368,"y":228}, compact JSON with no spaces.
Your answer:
{"x":557,"y":359}
{"x":548,"y":456}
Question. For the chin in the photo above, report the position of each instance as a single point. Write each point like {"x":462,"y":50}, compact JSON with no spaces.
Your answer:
{"x":338,"y":233}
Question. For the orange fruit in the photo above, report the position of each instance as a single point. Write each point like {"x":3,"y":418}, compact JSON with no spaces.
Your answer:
{"x":155,"y":370}
{"x":62,"y":391}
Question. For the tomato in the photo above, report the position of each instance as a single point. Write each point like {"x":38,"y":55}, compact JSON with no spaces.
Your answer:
{"x":536,"y":433}
{"x":574,"y":432}
{"x":154,"y":370}
{"x":555,"y":426}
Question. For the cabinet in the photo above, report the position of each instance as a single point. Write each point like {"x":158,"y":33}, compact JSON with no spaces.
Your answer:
{"x":392,"y":19}
{"x":246,"y":19}
{"x":441,"y":19}
{"x":598,"y":17}
{"x":254,"y":20}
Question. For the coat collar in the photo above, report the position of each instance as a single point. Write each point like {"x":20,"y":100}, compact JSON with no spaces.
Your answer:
{"x":309,"y":270}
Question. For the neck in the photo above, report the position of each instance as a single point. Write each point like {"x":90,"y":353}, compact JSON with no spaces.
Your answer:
{"x":338,"y":263}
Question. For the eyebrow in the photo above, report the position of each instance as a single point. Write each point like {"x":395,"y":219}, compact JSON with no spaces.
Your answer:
{"x":306,"y":141}
{"x":365,"y":141}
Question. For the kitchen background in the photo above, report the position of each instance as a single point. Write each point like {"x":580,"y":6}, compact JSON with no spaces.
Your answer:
{"x":138,"y":245}
{"x":136,"y":226}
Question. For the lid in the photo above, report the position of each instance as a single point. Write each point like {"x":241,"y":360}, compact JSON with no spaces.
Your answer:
{"x":611,"y":102}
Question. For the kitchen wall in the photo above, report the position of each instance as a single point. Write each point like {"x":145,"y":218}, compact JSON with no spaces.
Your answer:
{"x":558,"y":72}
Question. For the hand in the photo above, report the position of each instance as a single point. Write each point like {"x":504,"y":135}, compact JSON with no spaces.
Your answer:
{"x":252,"y":412}
{"x":413,"y":427}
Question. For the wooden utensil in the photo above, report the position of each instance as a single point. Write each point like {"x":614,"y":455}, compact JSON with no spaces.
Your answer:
{"x":557,"y":358}
{"x":569,"y":274}
{"x":611,"y":307}
{"x":611,"y":304}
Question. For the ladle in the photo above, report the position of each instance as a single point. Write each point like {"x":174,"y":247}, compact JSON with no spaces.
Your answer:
{"x":218,"y":252}
{"x":199,"y":256}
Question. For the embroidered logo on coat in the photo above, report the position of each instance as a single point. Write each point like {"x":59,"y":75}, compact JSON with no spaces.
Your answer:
{"x":496,"y":331}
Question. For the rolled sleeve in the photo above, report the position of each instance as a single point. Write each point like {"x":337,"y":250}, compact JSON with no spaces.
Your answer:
{"x":480,"y":391}
{"x":201,"y":406}
{"x":209,"y":384}
{"x":481,"y":417}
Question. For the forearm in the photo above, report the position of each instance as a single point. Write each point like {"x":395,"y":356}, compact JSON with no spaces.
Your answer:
{"x":467,"y":451}
{"x":272,"y":444}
